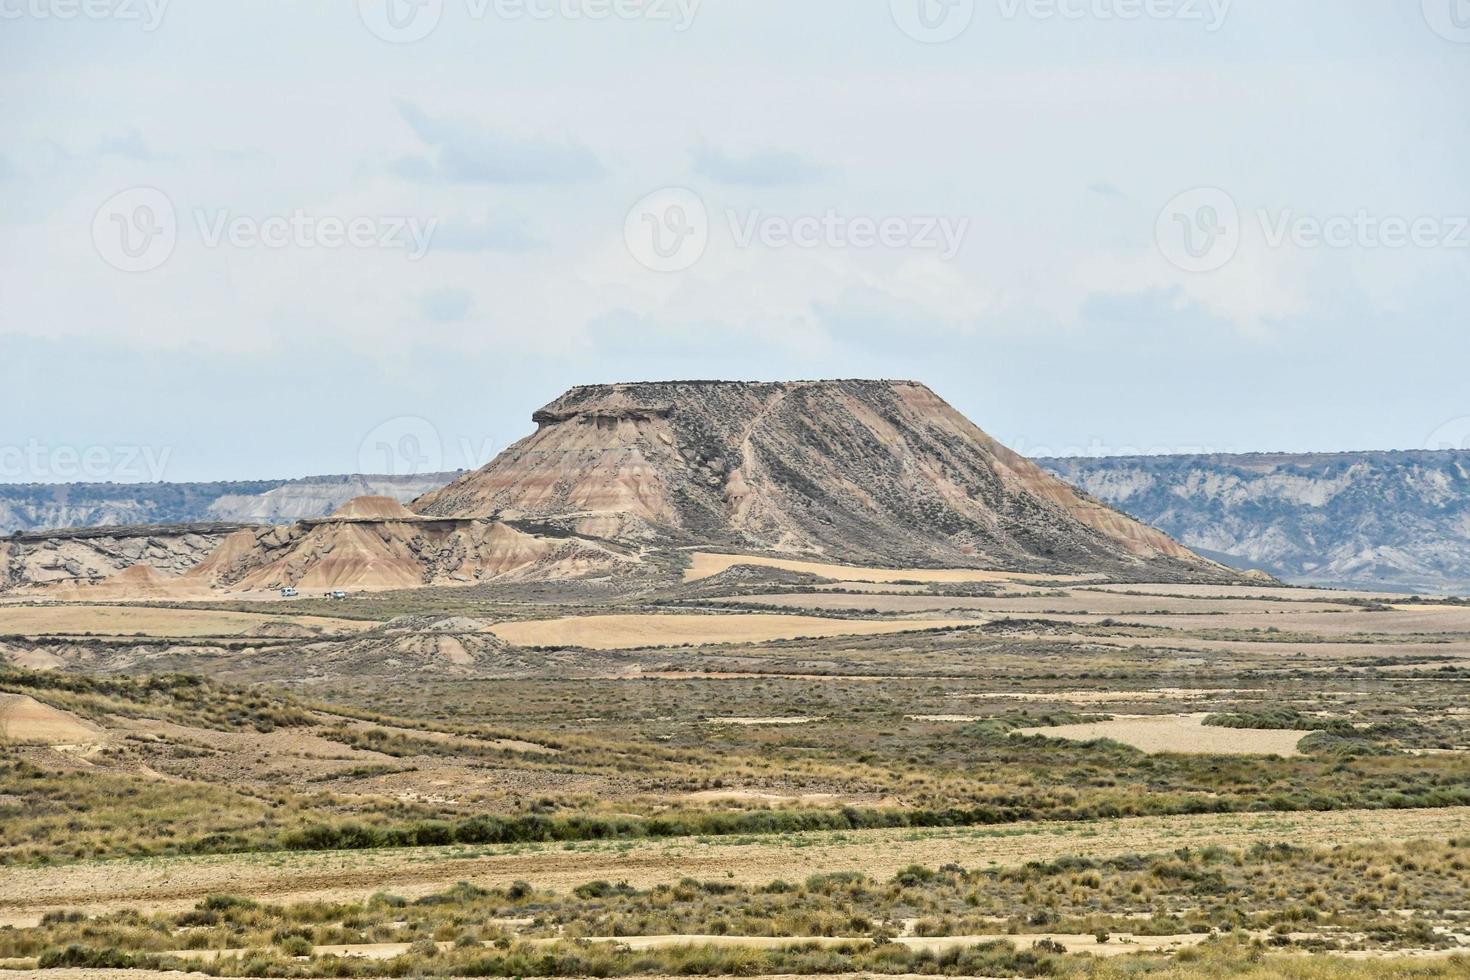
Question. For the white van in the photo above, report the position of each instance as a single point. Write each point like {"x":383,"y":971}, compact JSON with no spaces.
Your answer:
{"x":288,"y":593}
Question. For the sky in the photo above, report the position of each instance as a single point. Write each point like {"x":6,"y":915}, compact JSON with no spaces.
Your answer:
{"x":277,"y":239}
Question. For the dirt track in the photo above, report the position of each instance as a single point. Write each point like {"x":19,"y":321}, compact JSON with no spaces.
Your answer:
{"x":174,"y":883}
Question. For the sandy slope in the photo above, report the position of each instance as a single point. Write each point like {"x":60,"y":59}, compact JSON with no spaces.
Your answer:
{"x":25,"y":720}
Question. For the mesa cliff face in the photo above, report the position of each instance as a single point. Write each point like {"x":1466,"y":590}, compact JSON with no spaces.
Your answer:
{"x":867,"y":472}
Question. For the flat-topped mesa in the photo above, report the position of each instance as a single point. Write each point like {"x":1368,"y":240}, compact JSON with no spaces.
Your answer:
{"x":865,"y":472}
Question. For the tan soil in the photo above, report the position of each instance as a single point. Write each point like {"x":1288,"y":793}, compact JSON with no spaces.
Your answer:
{"x":373,"y":508}
{"x":627,"y":632}
{"x":749,"y":795}
{"x":177,"y":883}
{"x":944,"y":718}
{"x":1318,"y":650}
{"x":1074,"y":603}
{"x":1241,"y":591}
{"x":73,"y":618}
{"x":1108,"y":697}
{"x":1412,"y":620}
{"x":703,"y":565}
{"x":24,"y":719}
{"x":761,"y":721}
{"x":1179,"y":733}
{"x":1118,"y":945}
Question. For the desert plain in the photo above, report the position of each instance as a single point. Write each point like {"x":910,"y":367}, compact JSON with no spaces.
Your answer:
{"x":724,"y":679}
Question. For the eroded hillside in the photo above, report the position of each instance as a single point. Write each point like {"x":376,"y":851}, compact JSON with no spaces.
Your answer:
{"x":868,"y":472}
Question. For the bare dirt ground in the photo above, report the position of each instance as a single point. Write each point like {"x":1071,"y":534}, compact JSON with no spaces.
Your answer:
{"x":1073,"y":602}
{"x":703,"y":565}
{"x":1118,"y":945}
{"x":26,"y":720}
{"x":1289,"y":646}
{"x":1241,"y":591}
{"x":1410,"y":621}
{"x":178,"y":883}
{"x":629,"y":632}
{"x":123,"y":620}
{"x":1179,"y":733}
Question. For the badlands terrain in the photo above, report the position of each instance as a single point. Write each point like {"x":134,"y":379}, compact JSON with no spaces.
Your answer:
{"x":724,"y":679}
{"x":1398,"y":521}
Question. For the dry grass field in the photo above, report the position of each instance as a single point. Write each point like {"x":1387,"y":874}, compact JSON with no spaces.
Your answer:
{"x":176,"y":883}
{"x":120,"y":620}
{"x":1075,"y":602}
{"x":748,"y":758}
{"x":633,"y":632}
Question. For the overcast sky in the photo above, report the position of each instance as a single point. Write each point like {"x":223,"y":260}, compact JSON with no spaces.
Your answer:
{"x":277,"y":238}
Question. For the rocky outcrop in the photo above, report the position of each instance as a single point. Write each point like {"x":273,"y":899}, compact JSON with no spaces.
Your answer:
{"x":1374,"y":520}
{"x":313,"y":497}
{"x":39,"y":506}
{"x":868,"y":472}
{"x":364,"y":552}
{"x":90,"y":555}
